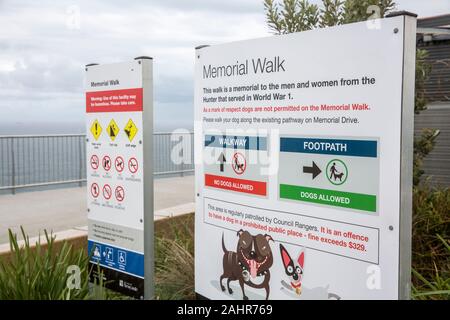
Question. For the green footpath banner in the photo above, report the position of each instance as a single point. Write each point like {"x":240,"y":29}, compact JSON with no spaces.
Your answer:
{"x":330,"y":171}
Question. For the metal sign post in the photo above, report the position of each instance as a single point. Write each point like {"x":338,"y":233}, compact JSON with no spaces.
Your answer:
{"x":407,"y":149}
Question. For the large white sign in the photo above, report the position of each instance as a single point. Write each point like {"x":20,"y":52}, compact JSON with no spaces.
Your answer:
{"x":304,"y":164}
{"x":119,"y":175}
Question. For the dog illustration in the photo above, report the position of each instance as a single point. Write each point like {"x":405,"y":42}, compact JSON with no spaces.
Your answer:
{"x":293,"y":269}
{"x":238,"y":166}
{"x":250,"y":263}
{"x":338,"y":176}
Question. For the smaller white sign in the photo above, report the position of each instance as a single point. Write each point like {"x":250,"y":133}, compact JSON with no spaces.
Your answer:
{"x":115,"y":178}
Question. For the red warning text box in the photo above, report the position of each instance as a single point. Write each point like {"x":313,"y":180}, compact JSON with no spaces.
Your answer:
{"x":238,"y":185}
{"x":114,"y":100}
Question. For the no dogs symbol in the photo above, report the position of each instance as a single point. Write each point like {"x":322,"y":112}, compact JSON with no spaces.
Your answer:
{"x":239,"y":163}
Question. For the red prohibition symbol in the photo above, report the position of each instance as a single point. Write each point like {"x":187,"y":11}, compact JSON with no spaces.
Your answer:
{"x":119,"y":193}
{"x":119,"y":164}
{"x":107,"y":191}
{"x":106,"y":163}
{"x":133,"y":165}
{"x":94,"y":162}
{"x":95,"y":190}
{"x":239,"y":163}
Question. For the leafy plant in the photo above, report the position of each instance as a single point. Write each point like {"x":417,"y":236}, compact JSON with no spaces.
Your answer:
{"x":331,"y":13}
{"x":292,"y":16}
{"x":361,"y":10}
{"x":43,"y":273}
{"x":288,"y":16}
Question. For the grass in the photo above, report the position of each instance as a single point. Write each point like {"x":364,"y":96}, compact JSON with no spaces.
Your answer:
{"x":436,"y":287}
{"x":174,"y":265}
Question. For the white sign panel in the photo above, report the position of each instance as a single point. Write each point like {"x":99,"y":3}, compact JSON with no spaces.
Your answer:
{"x":303,"y":164}
{"x":115,"y":120}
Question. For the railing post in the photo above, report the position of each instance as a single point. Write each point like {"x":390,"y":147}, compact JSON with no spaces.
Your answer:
{"x":13,"y":168}
{"x":182,"y":155}
{"x":192,"y":150}
{"x":80,"y":158}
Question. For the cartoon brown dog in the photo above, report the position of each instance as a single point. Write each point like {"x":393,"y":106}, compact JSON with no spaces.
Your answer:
{"x":252,"y":260}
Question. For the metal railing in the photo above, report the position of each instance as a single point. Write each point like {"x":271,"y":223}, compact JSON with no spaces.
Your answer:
{"x":43,"y":160}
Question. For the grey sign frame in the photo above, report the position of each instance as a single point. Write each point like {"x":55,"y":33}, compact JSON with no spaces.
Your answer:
{"x":147,"y":120}
{"x":406,"y":151}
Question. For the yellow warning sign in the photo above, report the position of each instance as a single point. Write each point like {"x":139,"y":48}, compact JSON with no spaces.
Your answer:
{"x":130,"y":130}
{"x":96,"y":129}
{"x":112,"y":129}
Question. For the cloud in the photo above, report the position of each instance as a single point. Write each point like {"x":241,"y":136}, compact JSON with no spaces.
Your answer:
{"x":43,"y":51}
{"x":44,"y":46}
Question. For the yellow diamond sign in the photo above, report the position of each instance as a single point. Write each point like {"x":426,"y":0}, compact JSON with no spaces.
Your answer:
{"x":130,"y":130}
{"x":96,"y":129}
{"x":112,"y":130}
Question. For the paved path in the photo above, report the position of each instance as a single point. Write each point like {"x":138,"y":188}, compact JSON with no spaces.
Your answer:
{"x":63,"y":209}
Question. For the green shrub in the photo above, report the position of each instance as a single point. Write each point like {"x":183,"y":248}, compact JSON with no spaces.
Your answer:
{"x":430,"y":241}
{"x":41,"y":273}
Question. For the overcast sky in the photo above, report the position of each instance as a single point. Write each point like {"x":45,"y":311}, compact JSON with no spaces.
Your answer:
{"x":44,"y":46}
